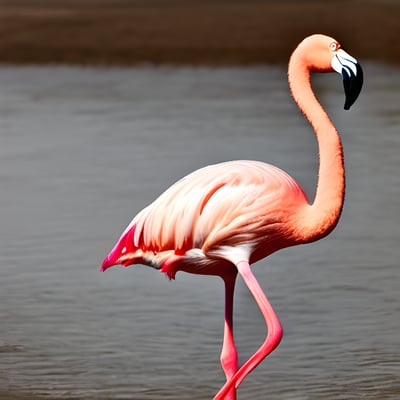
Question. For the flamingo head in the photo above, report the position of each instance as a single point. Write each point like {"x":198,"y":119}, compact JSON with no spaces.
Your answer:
{"x":323,"y":53}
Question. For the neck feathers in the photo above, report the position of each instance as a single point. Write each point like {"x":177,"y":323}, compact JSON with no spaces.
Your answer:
{"x":320,"y":217}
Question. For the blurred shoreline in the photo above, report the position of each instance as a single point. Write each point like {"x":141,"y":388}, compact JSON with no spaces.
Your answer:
{"x":190,"y":32}
{"x":13,"y":395}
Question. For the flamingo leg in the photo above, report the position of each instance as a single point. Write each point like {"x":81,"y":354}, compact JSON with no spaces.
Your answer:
{"x":274,"y":334}
{"x":229,"y":357}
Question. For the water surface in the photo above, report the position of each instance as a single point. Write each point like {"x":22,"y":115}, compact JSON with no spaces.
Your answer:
{"x":82,"y":150}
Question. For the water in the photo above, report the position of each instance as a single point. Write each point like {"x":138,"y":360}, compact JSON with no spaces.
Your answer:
{"x":82,"y":150}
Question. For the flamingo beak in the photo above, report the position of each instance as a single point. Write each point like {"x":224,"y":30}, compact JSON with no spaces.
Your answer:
{"x":352,"y":75}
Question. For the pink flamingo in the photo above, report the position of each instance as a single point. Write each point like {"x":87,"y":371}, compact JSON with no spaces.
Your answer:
{"x":220,"y":219}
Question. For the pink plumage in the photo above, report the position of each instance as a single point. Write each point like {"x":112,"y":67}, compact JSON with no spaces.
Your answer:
{"x":205,"y":215}
{"x":221,"y":218}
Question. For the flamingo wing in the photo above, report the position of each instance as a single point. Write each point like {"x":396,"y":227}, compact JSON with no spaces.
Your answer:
{"x":241,"y":205}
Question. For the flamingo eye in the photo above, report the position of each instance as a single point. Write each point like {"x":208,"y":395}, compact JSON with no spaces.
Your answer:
{"x":334,"y":46}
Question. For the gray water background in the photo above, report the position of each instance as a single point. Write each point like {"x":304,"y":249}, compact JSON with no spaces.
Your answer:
{"x":84,"y":149}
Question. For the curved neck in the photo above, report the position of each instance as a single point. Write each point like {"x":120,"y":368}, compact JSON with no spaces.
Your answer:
{"x":319,"y":218}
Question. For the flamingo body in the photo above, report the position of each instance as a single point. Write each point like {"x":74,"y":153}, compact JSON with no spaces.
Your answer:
{"x":222,"y":218}
{"x":213,"y":214}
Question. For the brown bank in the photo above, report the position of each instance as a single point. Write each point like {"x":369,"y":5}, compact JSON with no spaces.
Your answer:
{"x":212,"y":32}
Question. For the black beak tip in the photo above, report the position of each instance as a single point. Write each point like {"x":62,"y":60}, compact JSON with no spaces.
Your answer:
{"x":352,"y":84}
{"x":348,"y":103}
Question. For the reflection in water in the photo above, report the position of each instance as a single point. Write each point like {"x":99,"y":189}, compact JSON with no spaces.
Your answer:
{"x":82,"y":150}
